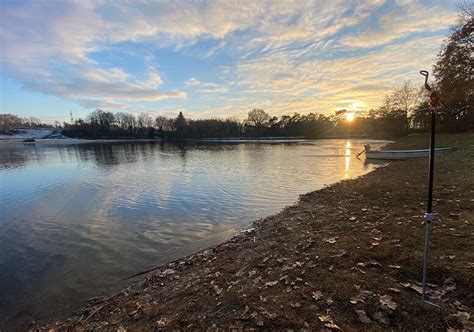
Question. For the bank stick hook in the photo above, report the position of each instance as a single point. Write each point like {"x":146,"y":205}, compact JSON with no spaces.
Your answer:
{"x":435,"y":99}
{"x":426,"y":75}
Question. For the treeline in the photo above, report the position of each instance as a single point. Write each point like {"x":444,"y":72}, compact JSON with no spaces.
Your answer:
{"x":104,"y":124}
{"x":11,"y":122}
{"x":257,"y":124}
{"x":390,"y":120}
{"x":402,"y":112}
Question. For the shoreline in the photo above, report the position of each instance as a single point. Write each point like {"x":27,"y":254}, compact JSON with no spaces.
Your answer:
{"x":334,"y":259}
{"x":64,"y":141}
{"x":275,"y":140}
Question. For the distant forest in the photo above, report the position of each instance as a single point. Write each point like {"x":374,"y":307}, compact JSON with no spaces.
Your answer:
{"x":400,"y":113}
{"x":9,"y":123}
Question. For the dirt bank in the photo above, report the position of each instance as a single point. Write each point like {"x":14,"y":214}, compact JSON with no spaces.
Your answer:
{"x":347,"y":256}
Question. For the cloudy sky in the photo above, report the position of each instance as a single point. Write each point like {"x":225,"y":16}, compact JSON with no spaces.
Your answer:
{"x":212,"y":58}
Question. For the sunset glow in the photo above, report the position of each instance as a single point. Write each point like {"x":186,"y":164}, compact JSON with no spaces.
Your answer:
{"x":347,"y":160}
{"x":212,"y":58}
{"x":350,"y":117}
{"x":211,"y":164}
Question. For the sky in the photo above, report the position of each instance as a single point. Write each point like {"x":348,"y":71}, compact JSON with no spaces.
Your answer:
{"x":212,"y":58}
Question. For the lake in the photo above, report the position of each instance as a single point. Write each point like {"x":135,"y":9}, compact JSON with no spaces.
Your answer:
{"x":75,"y":219}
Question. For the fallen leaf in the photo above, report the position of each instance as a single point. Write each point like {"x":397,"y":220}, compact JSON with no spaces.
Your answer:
{"x":387,"y":302}
{"x":246,"y":310}
{"x":416,"y":288}
{"x":363,"y":316}
{"x":217,"y":289}
{"x":340,"y":254}
{"x":451,"y":257}
{"x":448,"y":286}
{"x":332,"y":326}
{"x":249,"y":230}
{"x":381,"y":317}
{"x":464,"y":318}
{"x":396,"y":290}
{"x":162,"y":322}
{"x":267,"y":314}
{"x":369,"y":263}
{"x":316,"y":295}
{"x":361,"y":297}
{"x":331,"y":240}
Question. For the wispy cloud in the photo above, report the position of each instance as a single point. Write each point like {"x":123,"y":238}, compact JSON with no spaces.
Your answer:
{"x":286,"y":56}
{"x":402,"y":19}
{"x":206,"y":87}
{"x":317,"y":85}
{"x":193,"y":81}
{"x":47,"y":46}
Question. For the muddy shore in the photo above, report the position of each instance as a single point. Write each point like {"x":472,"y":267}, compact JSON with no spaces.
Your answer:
{"x":344,"y":257}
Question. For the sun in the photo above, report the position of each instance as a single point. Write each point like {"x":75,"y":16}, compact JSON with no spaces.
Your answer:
{"x":350,"y":117}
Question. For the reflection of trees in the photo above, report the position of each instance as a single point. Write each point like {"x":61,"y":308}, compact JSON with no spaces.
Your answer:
{"x":109,"y":155}
{"x":15,"y":157}
{"x":12,"y":160}
{"x":180,"y":148}
{"x":105,"y":155}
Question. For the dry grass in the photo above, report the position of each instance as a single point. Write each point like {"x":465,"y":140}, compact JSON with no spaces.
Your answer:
{"x":348,"y":256}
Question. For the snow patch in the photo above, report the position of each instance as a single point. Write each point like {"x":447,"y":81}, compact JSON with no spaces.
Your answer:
{"x":33,"y":133}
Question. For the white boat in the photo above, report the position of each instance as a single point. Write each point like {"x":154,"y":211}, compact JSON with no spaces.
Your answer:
{"x":402,"y":154}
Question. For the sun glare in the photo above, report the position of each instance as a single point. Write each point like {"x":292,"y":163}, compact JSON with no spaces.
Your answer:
{"x":350,"y":117}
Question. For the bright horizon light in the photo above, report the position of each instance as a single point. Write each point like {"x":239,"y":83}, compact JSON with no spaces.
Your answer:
{"x":350,"y":116}
{"x":212,"y":58}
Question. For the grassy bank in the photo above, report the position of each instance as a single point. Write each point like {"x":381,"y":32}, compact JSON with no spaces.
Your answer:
{"x":347,"y":256}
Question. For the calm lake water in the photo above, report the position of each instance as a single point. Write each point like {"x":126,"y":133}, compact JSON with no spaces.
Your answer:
{"x":75,"y":219}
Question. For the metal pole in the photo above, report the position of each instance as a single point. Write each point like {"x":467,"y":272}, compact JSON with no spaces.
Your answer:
{"x":425,"y":258}
{"x":429,"y":210}
{"x":435,"y":102}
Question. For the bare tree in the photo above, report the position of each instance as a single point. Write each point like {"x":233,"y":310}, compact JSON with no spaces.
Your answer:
{"x":258,"y":118}
{"x":144,"y":120}
{"x":454,"y":68}
{"x":403,"y":102}
{"x":164,"y":123}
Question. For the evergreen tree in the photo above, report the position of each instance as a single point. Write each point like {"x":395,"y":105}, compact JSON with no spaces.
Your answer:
{"x":181,"y":125}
